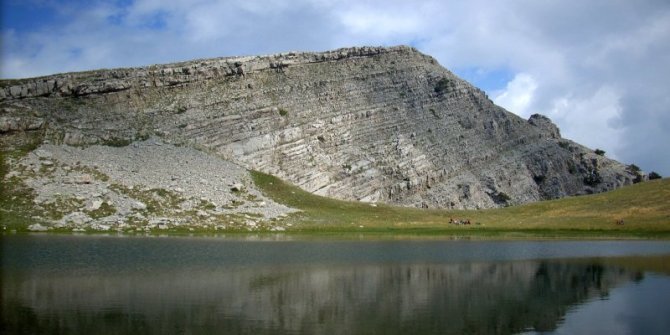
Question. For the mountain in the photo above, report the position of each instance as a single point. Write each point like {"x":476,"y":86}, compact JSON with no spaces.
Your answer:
{"x":371,"y":124}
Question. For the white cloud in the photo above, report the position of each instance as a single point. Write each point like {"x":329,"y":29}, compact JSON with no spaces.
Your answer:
{"x":206,"y":23}
{"x":592,"y":120}
{"x":517,"y":97}
{"x":381,"y":24}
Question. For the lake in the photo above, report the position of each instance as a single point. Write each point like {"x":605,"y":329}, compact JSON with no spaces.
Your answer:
{"x":66,"y":284}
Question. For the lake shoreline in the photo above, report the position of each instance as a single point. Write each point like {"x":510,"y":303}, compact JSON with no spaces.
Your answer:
{"x":384,"y":233}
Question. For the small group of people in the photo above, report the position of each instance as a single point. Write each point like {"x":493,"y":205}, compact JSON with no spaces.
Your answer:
{"x":459,"y":222}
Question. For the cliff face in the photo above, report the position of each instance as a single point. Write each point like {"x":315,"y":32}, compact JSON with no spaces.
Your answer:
{"x":370,"y":124}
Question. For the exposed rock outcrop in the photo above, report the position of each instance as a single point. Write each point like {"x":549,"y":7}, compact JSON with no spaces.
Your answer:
{"x":545,"y":124}
{"x":370,"y":124}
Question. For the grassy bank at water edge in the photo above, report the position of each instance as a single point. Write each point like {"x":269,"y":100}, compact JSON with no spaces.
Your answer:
{"x":644,"y":209}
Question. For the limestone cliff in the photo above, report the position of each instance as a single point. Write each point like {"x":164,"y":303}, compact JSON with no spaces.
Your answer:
{"x":370,"y":124}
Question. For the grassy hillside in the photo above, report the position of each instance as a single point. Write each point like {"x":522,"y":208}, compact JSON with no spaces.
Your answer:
{"x":644,"y":207}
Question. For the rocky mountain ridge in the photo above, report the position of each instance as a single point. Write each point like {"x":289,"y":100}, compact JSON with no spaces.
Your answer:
{"x":370,"y":124}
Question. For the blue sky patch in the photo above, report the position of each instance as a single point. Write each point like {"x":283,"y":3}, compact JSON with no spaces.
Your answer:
{"x":27,"y":16}
{"x":489,"y":80}
{"x":155,"y":21}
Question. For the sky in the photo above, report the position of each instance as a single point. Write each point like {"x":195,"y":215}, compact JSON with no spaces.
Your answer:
{"x":600,"y":69}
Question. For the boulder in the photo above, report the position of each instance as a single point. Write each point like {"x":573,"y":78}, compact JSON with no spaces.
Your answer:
{"x":94,"y":204}
{"x":139,"y":205}
{"x":37,"y":227}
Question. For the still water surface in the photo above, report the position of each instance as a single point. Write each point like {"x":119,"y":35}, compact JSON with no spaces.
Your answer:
{"x":161,"y":285}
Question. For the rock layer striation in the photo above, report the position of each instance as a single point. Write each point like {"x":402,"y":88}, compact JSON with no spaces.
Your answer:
{"x":370,"y":124}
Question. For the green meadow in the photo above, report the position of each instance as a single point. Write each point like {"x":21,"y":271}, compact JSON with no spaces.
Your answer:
{"x":643,"y":207}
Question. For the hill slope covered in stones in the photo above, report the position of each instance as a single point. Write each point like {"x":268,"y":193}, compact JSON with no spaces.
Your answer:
{"x":371,"y":124}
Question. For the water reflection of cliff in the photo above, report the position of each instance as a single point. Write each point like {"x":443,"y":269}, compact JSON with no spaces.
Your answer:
{"x":452,"y":298}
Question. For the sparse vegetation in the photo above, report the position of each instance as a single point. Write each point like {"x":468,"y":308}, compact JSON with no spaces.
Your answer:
{"x":283,"y":112}
{"x":95,"y":173}
{"x":117,"y":142}
{"x":16,"y":203}
{"x":206,"y":205}
{"x":572,"y":168}
{"x":158,"y":201}
{"x":16,"y":200}
{"x":653,"y":175}
{"x":599,"y":152}
{"x":593,"y":178}
{"x":60,"y":207}
{"x":634,"y":169}
{"x":13,"y":82}
{"x":501,"y":197}
{"x":142,"y":136}
{"x":105,"y":210}
{"x":442,"y":85}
